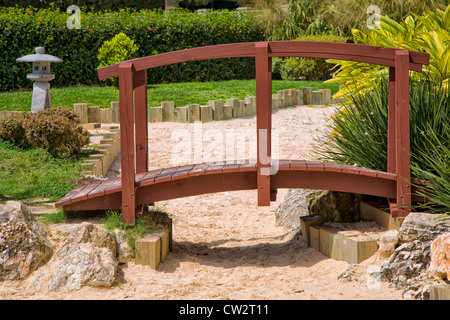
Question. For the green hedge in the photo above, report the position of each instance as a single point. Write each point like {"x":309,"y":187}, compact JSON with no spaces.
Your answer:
{"x":154,"y":31}
{"x":95,"y":5}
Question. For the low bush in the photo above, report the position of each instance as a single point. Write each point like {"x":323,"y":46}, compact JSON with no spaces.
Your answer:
{"x":120,"y":48}
{"x":12,"y":130}
{"x":55,"y":130}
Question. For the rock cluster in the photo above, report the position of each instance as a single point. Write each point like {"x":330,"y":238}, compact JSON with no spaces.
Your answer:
{"x":294,"y":206}
{"x":24,"y":245}
{"x":332,"y":206}
{"x":408,"y":267}
{"x":88,"y":257}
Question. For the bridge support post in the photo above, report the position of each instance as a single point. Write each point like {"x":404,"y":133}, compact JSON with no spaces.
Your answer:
{"x":263,"y":120}
{"x":141,"y":130}
{"x":127,"y":145}
{"x":402,"y":134}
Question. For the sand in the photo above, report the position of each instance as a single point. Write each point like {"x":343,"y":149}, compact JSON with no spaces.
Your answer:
{"x":225,"y":246}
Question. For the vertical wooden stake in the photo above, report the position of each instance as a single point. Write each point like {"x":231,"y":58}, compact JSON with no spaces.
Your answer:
{"x":402,"y":133}
{"x":140,"y":92}
{"x":127,"y":142}
{"x":263,"y":120}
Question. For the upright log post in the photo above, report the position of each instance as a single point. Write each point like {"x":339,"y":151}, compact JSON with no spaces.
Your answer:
{"x":402,"y":134}
{"x":127,"y":145}
{"x":263,"y":120}
{"x":141,"y":130}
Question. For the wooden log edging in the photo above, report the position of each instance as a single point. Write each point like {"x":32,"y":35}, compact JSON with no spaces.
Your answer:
{"x":216,"y":110}
{"x":108,"y":149}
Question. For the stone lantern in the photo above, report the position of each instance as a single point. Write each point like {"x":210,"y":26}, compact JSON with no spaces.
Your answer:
{"x":40,"y":76}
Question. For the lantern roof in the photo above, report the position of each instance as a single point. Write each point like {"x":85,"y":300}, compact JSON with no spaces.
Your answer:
{"x":39,"y":56}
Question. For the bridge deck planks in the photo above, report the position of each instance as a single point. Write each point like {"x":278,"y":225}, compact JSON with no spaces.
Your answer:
{"x":114,"y":185}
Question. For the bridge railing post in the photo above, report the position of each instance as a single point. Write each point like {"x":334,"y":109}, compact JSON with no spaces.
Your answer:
{"x":263,"y":120}
{"x":140,"y":115}
{"x":127,"y":145}
{"x":402,"y":134}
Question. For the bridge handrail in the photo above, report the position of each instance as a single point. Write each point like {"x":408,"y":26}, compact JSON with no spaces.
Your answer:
{"x":328,"y":50}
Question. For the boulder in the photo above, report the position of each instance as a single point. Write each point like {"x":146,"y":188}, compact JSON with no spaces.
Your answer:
{"x":294,"y":205}
{"x":388,"y":243}
{"x":423,"y":227}
{"x":124,"y":252}
{"x":84,"y":265}
{"x":86,"y":258}
{"x":440,"y":257}
{"x":407,"y":267}
{"x":24,"y":245}
{"x":336,"y":206}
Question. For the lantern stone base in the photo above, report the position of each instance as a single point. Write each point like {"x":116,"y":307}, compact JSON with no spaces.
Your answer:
{"x":41,"y":96}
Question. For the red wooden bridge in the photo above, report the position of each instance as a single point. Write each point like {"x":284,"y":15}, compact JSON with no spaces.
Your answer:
{"x":137,"y":186}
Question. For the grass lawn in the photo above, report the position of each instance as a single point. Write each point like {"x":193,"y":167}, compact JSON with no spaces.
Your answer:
{"x":182,"y":93}
{"x":29,"y":174}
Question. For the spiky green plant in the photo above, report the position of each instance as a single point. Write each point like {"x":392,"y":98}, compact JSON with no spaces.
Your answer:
{"x":437,"y":174}
{"x":429,"y":33}
{"x":358,"y":134}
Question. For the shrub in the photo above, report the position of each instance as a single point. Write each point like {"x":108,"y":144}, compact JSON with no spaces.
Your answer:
{"x":55,"y":130}
{"x":12,"y":130}
{"x":120,"y":48}
{"x":57,"y":134}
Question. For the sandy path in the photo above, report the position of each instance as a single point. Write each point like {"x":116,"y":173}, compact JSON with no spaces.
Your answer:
{"x":225,"y":247}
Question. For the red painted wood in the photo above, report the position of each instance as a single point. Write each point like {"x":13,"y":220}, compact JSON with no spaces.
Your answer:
{"x":284,"y":165}
{"x":248,"y":166}
{"x":263,"y":120}
{"x":127,"y":141}
{"x":166,"y":175}
{"x":341,"y":51}
{"x":326,"y":180}
{"x":149,"y":178}
{"x":402,"y":133}
{"x":315,"y":166}
{"x":197,"y":185}
{"x":391,"y":123}
{"x":230,"y":167}
{"x":141,"y":128}
{"x":215,"y":167}
{"x":182,"y":172}
{"x":231,"y":50}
